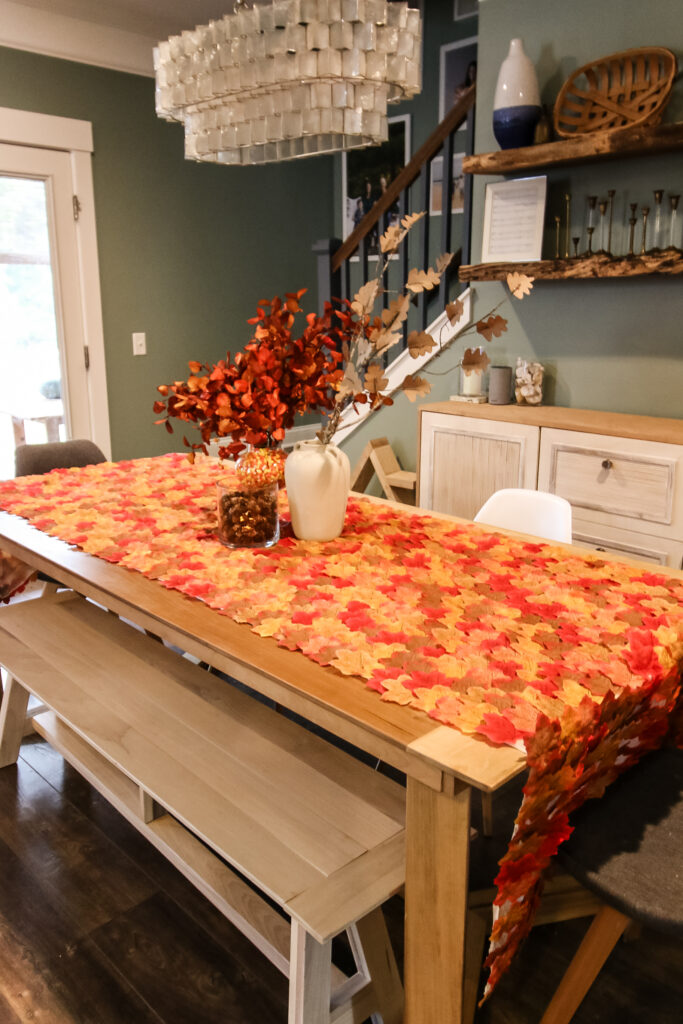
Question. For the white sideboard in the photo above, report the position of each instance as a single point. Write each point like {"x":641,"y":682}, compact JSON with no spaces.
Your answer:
{"x":622,"y":474}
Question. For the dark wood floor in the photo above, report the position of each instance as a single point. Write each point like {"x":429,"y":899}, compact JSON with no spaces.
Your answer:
{"x":97,"y":928}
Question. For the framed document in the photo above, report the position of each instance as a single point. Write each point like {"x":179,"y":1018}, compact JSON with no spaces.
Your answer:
{"x":514,"y":212}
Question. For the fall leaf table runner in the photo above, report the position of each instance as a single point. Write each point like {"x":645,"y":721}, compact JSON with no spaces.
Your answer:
{"x":575,"y":658}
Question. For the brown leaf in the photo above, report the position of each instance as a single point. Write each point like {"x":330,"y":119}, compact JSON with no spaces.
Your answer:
{"x":519,"y":284}
{"x":455,"y":311}
{"x":443,"y":261}
{"x":422,"y":280}
{"x":351,"y":382}
{"x":415,"y":387}
{"x":374,"y":378}
{"x":410,"y":219}
{"x":396,"y":312}
{"x":364,"y":299}
{"x":492,"y":327}
{"x":475,"y":359}
{"x":419,"y":342}
{"x":391,"y":239}
{"x":382,"y":340}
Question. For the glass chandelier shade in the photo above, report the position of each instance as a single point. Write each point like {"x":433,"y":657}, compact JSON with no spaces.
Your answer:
{"x":290,"y":78}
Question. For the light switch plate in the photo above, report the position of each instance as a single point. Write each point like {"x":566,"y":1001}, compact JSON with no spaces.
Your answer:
{"x":139,"y":344}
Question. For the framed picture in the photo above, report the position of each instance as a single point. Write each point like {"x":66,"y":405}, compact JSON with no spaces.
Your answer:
{"x":436,"y":186}
{"x":457,"y":70}
{"x":367,"y":172}
{"x":514,"y":213}
{"x":465,"y":9}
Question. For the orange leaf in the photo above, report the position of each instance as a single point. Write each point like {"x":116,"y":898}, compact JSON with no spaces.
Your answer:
{"x":455,"y":311}
{"x":474,"y":359}
{"x":374,"y":379}
{"x":519,"y":284}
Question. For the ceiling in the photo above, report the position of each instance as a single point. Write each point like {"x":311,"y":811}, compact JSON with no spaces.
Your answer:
{"x":158,"y":18}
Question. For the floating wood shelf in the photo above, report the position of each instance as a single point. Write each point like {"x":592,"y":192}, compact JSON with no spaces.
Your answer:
{"x":610,"y":145}
{"x":599,"y":265}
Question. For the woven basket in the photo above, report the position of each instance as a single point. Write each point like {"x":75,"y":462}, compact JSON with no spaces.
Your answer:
{"x":621,"y":90}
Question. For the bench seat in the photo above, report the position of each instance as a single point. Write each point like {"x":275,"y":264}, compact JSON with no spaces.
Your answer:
{"x":218,"y":781}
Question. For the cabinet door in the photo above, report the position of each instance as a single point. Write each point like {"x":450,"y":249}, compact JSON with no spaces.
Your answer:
{"x":464,"y":460}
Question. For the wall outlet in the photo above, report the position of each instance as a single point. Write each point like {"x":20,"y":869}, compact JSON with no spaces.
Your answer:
{"x":139,"y":344}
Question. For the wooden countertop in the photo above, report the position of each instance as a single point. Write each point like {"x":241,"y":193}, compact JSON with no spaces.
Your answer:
{"x":589,"y":421}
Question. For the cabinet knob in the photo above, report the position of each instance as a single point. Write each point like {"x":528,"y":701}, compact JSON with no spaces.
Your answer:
{"x":606,"y":463}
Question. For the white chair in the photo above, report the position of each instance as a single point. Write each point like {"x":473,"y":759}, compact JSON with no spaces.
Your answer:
{"x":536,"y":512}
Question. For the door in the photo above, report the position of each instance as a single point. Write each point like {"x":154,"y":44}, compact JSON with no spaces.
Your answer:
{"x":44,"y":391}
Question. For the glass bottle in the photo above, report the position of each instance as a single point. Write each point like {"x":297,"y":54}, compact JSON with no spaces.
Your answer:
{"x":674,"y":223}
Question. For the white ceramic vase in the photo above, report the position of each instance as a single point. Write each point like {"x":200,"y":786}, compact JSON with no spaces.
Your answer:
{"x":317,"y":478}
{"x":517,"y":100}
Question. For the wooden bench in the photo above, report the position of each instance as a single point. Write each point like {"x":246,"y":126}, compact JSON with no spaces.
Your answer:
{"x":216,"y":780}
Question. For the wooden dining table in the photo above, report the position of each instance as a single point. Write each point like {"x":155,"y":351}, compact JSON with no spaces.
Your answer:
{"x":442,"y":766}
{"x":573,"y":654}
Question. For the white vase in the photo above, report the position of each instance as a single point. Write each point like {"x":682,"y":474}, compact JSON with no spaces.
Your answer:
{"x":317,"y":478}
{"x":517,"y":101}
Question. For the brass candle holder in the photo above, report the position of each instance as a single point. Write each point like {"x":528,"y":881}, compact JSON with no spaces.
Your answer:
{"x":611,"y":192}
{"x":557,"y":236}
{"x":632,"y":231}
{"x":645,"y":210}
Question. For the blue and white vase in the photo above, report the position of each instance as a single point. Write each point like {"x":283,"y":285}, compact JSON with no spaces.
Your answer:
{"x":517,"y":101}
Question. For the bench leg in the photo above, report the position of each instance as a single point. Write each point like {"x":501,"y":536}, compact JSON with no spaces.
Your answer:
{"x":310,"y":965}
{"x":12,"y":721}
{"x":370,"y":942}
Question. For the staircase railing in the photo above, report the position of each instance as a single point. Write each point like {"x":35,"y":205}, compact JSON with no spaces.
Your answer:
{"x":335,"y":256}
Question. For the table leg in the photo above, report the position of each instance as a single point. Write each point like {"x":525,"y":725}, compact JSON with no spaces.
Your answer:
{"x":52,"y":427}
{"x":437,"y":858}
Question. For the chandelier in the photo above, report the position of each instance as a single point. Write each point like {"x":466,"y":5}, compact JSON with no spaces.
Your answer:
{"x":290,"y":78}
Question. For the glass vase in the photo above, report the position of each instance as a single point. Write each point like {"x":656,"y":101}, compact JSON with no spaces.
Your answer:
{"x":248,"y":514}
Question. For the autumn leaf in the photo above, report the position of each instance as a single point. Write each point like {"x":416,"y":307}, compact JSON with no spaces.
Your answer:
{"x":475,"y":359}
{"x":364,"y":299}
{"x":374,"y":378}
{"x":443,"y":261}
{"x":492,"y":327}
{"x":410,"y":219}
{"x":422,"y":280}
{"x":384,"y":340}
{"x":351,"y":382}
{"x":415,"y":387}
{"x":391,"y":239}
{"x":396,"y":311}
{"x":419,"y":343}
{"x":519,"y":284}
{"x":455,"y":311}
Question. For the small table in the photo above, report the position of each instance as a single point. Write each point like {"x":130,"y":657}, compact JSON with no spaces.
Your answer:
{"x":49,"y":412}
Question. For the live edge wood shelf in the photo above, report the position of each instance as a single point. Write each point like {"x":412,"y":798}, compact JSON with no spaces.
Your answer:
{"x":667,"y":263}
{"x":614,"y":145}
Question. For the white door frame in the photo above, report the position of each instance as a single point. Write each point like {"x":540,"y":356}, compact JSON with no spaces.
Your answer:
{"x":43,"y":131}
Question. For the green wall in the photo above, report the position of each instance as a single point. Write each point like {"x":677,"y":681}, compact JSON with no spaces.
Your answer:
{"x":610,"y":344}
{"x":186,"y":250}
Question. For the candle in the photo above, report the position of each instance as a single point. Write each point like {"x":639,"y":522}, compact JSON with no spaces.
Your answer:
{"x":471,"y":382}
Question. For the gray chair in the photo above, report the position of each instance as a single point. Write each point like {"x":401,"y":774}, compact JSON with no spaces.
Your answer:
{"x":626,"y":849}
{"x":41,"y":458}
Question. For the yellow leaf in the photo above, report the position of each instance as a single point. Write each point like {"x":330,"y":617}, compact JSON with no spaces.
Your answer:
{"x":410,"y":219}
{"x":420,"y":343}
{"x":519,"y":284}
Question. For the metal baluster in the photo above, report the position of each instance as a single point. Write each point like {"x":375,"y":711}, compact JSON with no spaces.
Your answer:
{"x":425,"y":176}
{"x":446,"y":214}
